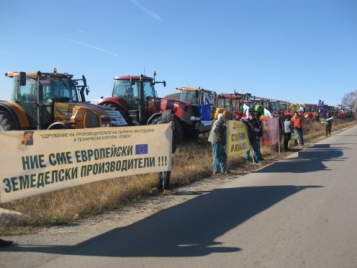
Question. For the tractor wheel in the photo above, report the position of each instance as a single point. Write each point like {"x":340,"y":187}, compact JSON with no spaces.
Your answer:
{"x":6,"y":121}
{"x":120,"y":110}
{"x":178,"y":128}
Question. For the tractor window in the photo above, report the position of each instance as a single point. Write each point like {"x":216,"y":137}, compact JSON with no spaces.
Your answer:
{"x":58,"y":88}
{"x":123,"y":88}
{"x":207,"y":100}
{"x":189,"y":96}
{"x":183,"y":95}
{"x":149,"y":89}
{"x":236,"y":105}
{"x":220,"y":102}
{"x":23,"y":93}
{"x":51,"y":89}
{"x":227,"y":104}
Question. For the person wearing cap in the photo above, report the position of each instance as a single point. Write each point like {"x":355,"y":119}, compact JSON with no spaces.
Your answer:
{"x":217,"y":137}
{"x":254,"y":128}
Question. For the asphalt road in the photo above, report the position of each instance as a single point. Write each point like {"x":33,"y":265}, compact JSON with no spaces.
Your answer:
{"x":298,"y":212}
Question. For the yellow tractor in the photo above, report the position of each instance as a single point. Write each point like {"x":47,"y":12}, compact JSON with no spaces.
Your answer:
{"x":54,"y":100}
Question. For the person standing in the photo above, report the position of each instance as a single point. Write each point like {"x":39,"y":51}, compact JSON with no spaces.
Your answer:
{"x":281,"y":124}
{"x":254,"y":128}
{"x":217,"y":137}
{"x":288,"y":128}
{"x":259,"y":118}
{"x":328,"y":124}
{"x":163,"y":182}
{"x":298,"y":122}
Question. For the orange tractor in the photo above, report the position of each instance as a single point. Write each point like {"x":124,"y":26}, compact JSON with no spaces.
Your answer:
{"x":41,"y":100}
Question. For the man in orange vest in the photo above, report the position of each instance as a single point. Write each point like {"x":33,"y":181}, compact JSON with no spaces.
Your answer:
{"x":298,"y":122}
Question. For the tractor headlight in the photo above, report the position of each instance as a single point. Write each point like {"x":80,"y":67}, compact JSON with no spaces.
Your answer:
{"x":195,"y":118}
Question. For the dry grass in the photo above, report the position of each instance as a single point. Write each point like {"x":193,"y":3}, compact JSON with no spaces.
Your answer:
{"x":192,"y":161}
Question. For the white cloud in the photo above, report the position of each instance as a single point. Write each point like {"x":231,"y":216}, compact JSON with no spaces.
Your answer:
{"x":151,"y":14}
{"x":97,"y":48}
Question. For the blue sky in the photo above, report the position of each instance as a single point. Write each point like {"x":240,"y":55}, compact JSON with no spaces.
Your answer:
{"x":297,"y":50}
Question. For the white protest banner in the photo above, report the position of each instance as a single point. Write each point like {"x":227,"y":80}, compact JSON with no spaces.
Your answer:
{"x":41,"y":161}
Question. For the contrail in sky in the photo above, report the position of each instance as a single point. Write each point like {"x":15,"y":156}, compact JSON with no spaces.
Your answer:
{"x":80,"y":31}
{"x":151,"y":14}
{"x":97,"y":48}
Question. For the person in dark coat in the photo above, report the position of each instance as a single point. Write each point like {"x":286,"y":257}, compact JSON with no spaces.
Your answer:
{"x":254,"y":127}
{"x":164,"y":177}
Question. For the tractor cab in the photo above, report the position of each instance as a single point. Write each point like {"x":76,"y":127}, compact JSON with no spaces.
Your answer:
{"x":31,"y":90}
{"x":197,"y":96}
{"x":44,"y":100}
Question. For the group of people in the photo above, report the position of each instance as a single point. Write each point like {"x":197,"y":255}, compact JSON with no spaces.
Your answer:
{"x":288,"y":124}
{"x":217,"y":137}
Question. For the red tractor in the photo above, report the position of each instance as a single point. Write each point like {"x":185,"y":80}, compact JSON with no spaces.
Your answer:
{"x":136,"y":99}
{"x":310,"y":110}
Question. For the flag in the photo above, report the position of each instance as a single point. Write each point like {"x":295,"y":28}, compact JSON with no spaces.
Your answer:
{"x":245,"y":110}
{"x":141,"y":149}
{"x":207,"y":101}
{"x":267,"y":113}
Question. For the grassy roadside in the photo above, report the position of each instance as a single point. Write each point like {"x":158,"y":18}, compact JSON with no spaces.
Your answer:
{"x":192,"y":162}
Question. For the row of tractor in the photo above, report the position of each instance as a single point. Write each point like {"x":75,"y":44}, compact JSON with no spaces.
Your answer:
{"x":52,"y":100}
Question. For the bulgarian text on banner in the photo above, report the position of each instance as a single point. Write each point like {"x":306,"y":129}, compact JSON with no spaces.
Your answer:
{"x":237,"y":138}
{"x":41,"y":161}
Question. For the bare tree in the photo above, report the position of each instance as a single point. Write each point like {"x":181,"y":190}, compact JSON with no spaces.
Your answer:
{"x":350,"y":100}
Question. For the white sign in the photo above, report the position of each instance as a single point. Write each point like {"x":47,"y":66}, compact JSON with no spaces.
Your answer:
{"x":41,"y":161}
{"x":116,"y":117}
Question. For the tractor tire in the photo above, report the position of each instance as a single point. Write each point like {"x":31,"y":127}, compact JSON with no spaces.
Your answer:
{"x":178,"y":128}
{"x":114,"y":107}
{"x":7,"y":123}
